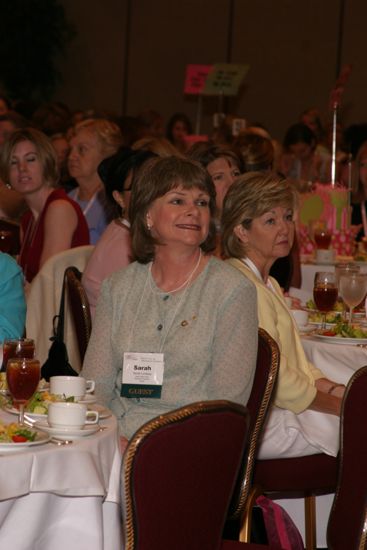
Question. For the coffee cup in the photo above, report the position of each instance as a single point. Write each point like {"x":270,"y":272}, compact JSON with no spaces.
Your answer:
{"x":71,"y":386}
{"x":288,"y":301}
{"x":325,"y":256}
{"x":300,"y":316}
{"x":70,"y":415}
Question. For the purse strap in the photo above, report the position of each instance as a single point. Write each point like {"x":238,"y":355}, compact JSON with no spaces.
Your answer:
{"x":58,"y":320}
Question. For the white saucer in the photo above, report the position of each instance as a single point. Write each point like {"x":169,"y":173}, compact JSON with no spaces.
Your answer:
{"x":67,"y":433}
{"x":87,"y":399}
{"x":101,"y":410}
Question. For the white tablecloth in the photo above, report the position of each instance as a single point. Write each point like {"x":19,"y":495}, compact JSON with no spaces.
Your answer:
{"x":62,"y":498}
{"x":338,"y":362}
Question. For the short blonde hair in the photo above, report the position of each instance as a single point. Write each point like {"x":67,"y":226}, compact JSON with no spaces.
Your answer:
{"x":107,"y":132}
{"x":250,"y":196}
{"x":159,"y":146}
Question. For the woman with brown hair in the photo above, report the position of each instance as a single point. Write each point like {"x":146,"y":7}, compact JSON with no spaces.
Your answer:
{"x":53,"y":222}
{"x":171,"y":313}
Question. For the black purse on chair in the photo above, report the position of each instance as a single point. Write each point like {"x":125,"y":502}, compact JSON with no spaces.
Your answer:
{"x":57,"y":363}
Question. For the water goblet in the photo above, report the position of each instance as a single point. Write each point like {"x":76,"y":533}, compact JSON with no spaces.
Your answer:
{"x":353,"y":289}
{"x":325,"y":293}
{"x":345,"y":269}
{"x":22,"y":376}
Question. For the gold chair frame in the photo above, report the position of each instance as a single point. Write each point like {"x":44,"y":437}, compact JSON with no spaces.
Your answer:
{"x":79,"y":307}
{"x":241,"y":506}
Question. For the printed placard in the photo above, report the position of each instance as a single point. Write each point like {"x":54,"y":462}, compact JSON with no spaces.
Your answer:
{"x":225,"y":79}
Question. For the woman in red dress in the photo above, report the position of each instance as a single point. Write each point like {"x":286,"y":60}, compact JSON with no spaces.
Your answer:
{"x":54,"y":222}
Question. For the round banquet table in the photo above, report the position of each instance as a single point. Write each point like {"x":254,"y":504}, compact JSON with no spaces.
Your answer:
{"x":338,"y":362}
{"x":62,"y":497}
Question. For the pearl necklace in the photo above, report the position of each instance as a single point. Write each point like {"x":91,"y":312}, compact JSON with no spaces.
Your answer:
{"x":187,"y":282}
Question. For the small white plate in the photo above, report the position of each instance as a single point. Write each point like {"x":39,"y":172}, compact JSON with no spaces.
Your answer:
{"x":87,"y":399}
{"x":101,"y":410}
{"x":7,"y":446}
{"x":67,"y":433}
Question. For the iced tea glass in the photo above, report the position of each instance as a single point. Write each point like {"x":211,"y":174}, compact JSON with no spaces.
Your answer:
{"x":22,"y":376}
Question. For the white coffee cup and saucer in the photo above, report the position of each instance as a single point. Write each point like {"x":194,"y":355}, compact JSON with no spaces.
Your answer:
{"x":68,"y":420}
{"x":301,"y":318}
{"x":73,"y":386}
{"x":325,"y":256}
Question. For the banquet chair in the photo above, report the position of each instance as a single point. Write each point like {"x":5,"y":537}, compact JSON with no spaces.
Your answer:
{"x":347,"y":525}
{"x":43,"y":302}
{"x":178,"y":475}
{"x":267,"y":365}
{"x":302,"y":477}
{"x":79,"y":307}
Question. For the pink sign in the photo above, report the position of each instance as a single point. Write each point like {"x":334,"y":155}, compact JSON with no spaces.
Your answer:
{"x":194,"y":138}
{"x":196,"y":76}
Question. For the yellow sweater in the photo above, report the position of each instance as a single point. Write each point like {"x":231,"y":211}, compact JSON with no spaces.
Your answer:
{"x":295,"y":389}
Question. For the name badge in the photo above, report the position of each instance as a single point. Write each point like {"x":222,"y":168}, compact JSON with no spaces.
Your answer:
{"x":142,"y":375}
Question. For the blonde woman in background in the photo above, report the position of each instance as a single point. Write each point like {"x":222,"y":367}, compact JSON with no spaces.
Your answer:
{"x":92,"y":141}
{"x":159,"y":146}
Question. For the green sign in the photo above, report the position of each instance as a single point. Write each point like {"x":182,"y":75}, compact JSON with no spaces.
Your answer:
{"x":225,"y":79}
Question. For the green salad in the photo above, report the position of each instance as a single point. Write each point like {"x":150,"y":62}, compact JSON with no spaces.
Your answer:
{"x":310,"y":304}
{"x":344,"y":330}
{"x":15,"y":433}
{"x":40,"y":401}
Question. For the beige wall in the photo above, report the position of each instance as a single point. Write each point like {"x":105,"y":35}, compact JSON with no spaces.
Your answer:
{"x":291,"y":46}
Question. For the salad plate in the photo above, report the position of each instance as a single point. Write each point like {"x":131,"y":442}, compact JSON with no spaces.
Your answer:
{"x":316,"y":324}
{"x":341,"y":339}
{"x":67,"y":433}
{"x":102,"y":411}
{"x":33,"y":416}
{"x":11,"y":446}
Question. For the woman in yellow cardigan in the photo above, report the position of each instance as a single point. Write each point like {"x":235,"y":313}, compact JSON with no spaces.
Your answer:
{"x":257,"y":229}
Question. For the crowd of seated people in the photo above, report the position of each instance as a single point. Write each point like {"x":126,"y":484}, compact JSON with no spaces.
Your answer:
{"x":164,"y":217}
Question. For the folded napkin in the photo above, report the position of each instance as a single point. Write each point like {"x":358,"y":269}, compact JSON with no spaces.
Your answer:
{"x":288,"y":435}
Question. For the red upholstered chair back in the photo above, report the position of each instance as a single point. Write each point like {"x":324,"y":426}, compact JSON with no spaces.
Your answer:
{"x":267,"y":366}
{"x":79,"y":306}
{"x":178,"y":475}
{"x":347,"y":526}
